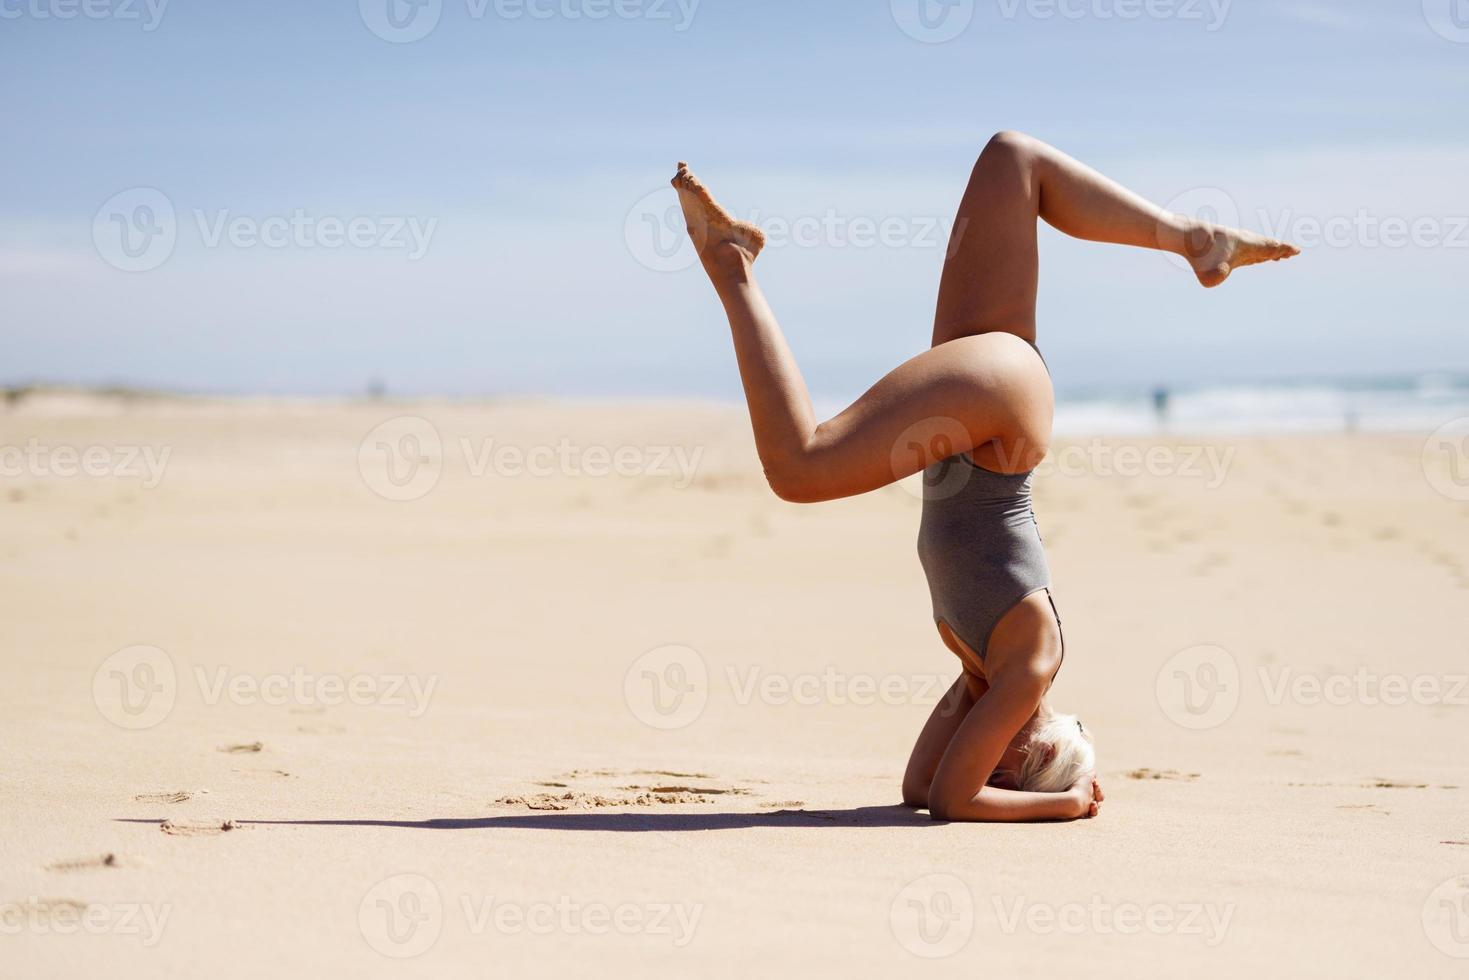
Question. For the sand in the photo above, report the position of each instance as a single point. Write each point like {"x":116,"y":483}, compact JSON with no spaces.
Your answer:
{"x":260,"y":719}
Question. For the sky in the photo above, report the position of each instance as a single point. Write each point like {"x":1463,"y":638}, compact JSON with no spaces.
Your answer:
{"x":469,"y":197}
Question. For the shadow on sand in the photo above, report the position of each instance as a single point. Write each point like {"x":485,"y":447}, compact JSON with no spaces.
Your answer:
{"x":630,"y":821}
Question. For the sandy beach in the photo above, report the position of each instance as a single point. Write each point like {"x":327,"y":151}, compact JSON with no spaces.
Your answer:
{"x":466,"y":690}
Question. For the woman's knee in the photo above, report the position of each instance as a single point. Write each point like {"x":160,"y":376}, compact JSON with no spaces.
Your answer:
{"x":915,"y":794}
{"x":1012,"y":147}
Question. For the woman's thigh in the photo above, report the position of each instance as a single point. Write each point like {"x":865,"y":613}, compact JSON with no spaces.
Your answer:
{"x":989,"y":393}
{"x":993,"y":268}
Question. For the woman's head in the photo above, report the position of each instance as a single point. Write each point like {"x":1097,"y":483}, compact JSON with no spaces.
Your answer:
{"x":1050,"y":755}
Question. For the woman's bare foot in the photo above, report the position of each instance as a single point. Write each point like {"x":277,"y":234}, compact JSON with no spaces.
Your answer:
{"x":712,"y":228}
{"x":1215,"y":251}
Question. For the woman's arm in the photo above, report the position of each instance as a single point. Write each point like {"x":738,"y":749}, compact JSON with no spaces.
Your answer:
{"x":960,"y":789}
{"x":994,"y":805}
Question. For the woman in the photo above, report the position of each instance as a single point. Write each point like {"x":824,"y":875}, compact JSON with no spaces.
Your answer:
{"x":973,"y":414}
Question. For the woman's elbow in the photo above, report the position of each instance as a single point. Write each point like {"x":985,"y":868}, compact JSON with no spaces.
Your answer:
{"x":947,"y":805}
{"x":794,"y":482}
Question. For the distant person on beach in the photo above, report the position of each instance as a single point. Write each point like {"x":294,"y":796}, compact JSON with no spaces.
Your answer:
{"x":1161,"y":399}
{"x":973,"y":416}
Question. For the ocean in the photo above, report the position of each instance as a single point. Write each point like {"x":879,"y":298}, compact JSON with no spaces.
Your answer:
{"x":1391,"y":404}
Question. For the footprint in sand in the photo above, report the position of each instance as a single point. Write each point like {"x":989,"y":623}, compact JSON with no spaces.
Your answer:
{"x":576,"y":773}
{"x":689,"y":790}
{"x":242,"y":748}
{"x":595,"y":801}
{"x":1374,"y":784}
{"x":1169,"y":774}
{"x":108,"y":860}
{"x":197,"y":828}
{"x":658,"y":792}
{"x":181,"y":796}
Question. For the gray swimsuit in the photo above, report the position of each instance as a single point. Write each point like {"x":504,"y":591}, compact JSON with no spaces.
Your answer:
{"x":980,"y":547}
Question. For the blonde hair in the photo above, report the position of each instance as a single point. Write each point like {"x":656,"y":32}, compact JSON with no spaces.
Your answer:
{"x":1059,"y":753}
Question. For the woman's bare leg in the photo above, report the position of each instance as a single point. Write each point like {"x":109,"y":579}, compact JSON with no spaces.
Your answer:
{"x":992,"y":272}
{"x":982,"y":391}
{"x":980,"y":395}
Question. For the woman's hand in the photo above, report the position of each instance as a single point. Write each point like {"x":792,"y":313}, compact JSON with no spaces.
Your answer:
{"x":1088,"y":796}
